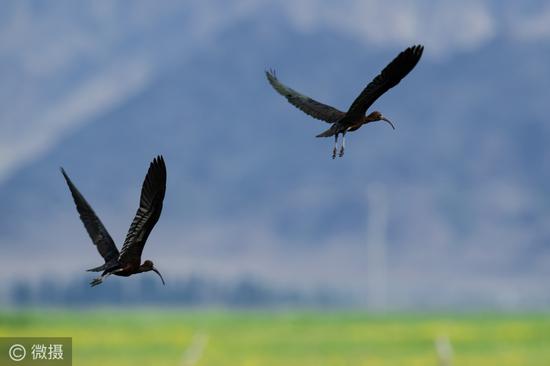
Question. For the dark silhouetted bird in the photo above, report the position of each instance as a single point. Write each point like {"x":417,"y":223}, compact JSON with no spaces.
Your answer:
{"x":355,"y":117}
{"x":127,"y":262}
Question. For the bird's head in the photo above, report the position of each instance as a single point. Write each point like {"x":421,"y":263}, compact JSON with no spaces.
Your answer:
{"x":377,"y":116}
{"x":149,"y":266}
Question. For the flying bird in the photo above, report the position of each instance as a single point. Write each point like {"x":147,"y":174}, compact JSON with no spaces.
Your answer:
{"x":127,"y":261}
{"x":355,"y":117}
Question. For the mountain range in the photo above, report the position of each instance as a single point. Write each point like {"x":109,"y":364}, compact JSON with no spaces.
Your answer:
{"x":463,"y":202}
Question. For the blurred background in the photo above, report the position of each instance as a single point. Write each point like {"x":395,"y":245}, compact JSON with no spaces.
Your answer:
{"x":450,"y":212}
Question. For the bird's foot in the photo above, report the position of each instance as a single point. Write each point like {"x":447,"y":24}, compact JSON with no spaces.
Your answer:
{"x":334,"y":153}
{"x":341,"y":152}
{"x":96,"y":281}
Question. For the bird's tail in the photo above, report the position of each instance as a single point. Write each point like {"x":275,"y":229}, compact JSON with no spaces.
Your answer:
{"x":97,"y":269}
{"x":330,"y":132}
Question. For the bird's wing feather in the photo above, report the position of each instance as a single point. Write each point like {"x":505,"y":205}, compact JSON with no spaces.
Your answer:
{"x":99,"y":235}
{"x":387,"y":79}
{"x":148,"y":213}
{"x":310,"y":106}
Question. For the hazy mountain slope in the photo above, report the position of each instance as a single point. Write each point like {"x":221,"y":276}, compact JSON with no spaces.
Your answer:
{"x":251,"y":190}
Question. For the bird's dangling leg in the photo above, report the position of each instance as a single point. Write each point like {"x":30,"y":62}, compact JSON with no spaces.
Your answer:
{"x":343,"y":145}
{"x":99,"y":280}
{"x":335,"y":146}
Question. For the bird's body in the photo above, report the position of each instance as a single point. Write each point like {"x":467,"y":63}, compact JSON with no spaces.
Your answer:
{"x":352,"y":123}
{"x":127,"y":261}
{"x":354,"y":118}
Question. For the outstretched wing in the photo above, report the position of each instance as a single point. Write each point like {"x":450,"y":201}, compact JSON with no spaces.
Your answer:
{"x":312,"y":107}
{"x":148,"y":213}
{"x":99,"y":235}
{"x":387,"y":79}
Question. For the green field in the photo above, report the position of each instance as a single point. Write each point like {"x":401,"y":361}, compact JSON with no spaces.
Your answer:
{"x":216,"y":338}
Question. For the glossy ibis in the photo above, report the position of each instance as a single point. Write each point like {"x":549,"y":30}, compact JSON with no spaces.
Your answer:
{"x":127,"y":262}
{"x":355,"y":117}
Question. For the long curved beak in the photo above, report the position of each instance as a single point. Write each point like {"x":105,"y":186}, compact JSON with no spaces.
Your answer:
{"x":387,"y":120}
{"x":162,"y":279}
